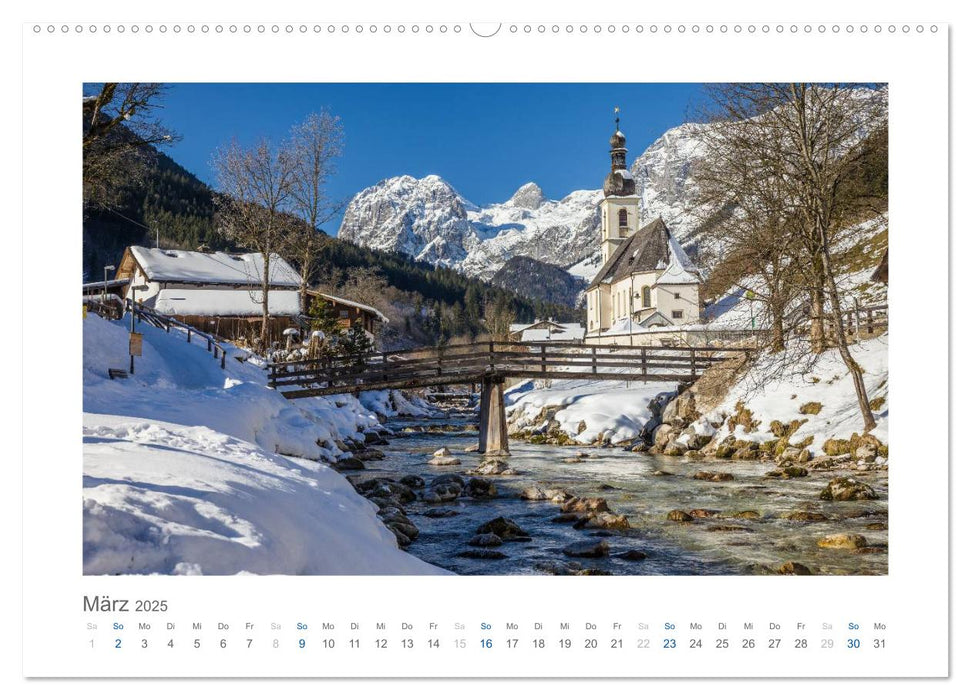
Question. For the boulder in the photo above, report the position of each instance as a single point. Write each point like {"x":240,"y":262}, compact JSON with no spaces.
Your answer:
{"x":412,"y":481}
{"x":444,"y":461}
{"x":502,"y":527}
{"x":605,"y":521}
{"x":805,"y":516}
{"x":480,"y":488}
{"x":794,"y":568}
{"x":842,"y":541}
{"x":679,"y":516}
{"x":372,"y":438}
{"x":585,"y":505}
{"x":673,"y":449}
{"x":846,"y":488}
{"x":588,"y":550}
{"x":486,"y":540}
{"x":535,"y":493}
{"x":442,"y":452}
{"x":834,"y":447}
{"x":633,"y":555}
{"x":664,"y":434}
{"x":702,"y":513}
{"x":492,"y":466}
{"x":713,"y":476}
{"x":558,"y":568}
{"x":349,"y":464}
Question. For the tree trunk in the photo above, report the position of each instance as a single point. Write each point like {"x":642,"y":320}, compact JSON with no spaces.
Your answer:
{"x":817,"y":323}
{"x":840,"y":338}
{"x":265,"y":330}
{"x":778,"y":341}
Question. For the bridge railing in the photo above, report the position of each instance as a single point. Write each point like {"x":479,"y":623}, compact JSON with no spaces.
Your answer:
{"x":469,"y":362}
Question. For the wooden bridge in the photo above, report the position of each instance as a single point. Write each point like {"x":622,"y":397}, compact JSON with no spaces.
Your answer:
{"x":490,"y":364}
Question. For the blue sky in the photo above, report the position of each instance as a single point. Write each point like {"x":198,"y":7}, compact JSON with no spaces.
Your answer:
{"x":485,"y":139}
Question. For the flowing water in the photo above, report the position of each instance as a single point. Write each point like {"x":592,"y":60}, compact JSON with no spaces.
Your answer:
{"x":731,"y":541}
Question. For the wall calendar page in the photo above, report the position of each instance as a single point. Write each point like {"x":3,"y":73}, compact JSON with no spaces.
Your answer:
{"x":545,"y":347}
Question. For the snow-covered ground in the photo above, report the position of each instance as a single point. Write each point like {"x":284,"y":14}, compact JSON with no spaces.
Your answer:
{"x":614,"y":410}
{"x":184,"y":467}
{"x":826,"y":382}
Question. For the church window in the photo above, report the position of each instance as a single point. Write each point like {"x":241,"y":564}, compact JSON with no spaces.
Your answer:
{"x":645,"y":297}
{"x":678,"y":314}
{"x":622,"y":219}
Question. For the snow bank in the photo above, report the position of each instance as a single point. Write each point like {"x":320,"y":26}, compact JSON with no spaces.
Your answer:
{"x":826,"y":382}
{"x":176,"y":381}
{"x":173,"y":499}
{"x":181,"y":475}
{"x":617,"y":410}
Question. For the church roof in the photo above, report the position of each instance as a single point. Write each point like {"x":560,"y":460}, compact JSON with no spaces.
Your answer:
{"x":649,"y":249}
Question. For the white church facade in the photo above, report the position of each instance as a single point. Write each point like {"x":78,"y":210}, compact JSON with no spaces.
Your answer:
{"x":646,"y":280}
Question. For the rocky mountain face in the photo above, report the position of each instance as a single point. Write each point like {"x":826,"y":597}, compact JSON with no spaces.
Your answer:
{"x":425,"y":219}
{"x":428,"y":220}
{"x":539,"y":280}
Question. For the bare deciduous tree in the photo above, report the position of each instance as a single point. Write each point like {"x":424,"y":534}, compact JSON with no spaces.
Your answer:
{"x":256,"y":189}
{"x":315,"y":143}
{"x":784,"y":153}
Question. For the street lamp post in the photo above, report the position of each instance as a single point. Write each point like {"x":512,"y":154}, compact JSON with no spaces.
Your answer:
{"x":104,"y":291}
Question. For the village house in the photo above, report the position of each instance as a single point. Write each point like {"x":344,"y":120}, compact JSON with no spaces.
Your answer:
{"x":219,"y":293}
{"x":646,"y":280}
{"x":349,"y":313}
{"x":545,"y":331}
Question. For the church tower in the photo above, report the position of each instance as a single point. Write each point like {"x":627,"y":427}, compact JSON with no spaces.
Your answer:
{"x":618,"y":210}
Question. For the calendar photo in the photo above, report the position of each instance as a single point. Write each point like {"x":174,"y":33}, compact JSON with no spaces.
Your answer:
{"x":485,"y":328}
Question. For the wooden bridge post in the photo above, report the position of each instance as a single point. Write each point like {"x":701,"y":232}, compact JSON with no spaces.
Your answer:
{"x":493,"y":432}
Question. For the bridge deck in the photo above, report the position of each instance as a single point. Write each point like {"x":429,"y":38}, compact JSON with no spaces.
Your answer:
{"x":471,"y":363}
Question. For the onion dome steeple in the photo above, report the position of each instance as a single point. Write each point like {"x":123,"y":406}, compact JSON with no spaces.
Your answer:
{"x":619,"y":182}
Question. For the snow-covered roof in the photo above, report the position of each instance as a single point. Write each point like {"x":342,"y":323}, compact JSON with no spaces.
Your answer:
{"x":680,"y":269}
{"x":226,"y":302}
{"x":355,"y":304}
{"x":565,"y":331}
{"x":625,"y":326}
{"x":102,"y":285}
{"x":192,"y":266}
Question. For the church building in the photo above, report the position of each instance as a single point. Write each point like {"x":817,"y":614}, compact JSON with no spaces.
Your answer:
{"x":646,"y":279}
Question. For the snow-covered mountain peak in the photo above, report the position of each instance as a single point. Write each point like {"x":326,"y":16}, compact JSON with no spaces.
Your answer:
{"x":529,"y":196}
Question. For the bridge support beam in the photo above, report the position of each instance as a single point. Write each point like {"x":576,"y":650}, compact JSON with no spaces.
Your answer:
{"x":493,"y":432}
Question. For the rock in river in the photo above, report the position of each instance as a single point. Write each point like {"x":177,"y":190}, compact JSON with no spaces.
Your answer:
{"x":842,"y":541}
{"x":503,"y":527}
{"x":604,"y":521}
{"x":585,"y":505}
{"x":482,"y":554}
{"x":846,"y":488}
{"x":486,"y":540}
{"x":713,"y":476}
{"x":794,"y":568}
{"x":535,"y":493}
{"x":478,"y":487}
{"x":679,"y":516}
{"x":588,"y":550}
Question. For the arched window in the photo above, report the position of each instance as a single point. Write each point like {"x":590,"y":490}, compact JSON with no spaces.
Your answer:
{"x":646,"y":297}
{"x":622,"y":219}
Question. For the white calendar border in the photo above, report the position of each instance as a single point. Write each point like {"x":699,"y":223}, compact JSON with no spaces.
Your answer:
{"x":911,"y":94}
